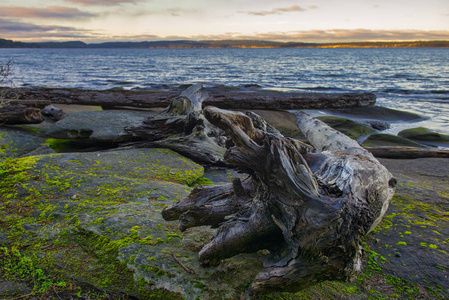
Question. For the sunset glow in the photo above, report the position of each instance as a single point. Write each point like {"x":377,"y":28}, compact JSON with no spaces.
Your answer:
{"x":277,"y":20}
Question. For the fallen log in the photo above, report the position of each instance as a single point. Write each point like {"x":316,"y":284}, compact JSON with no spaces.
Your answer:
{"x":20,"y":114}
{"x":310,"y":209}
{"x":284,"y":101}
{"x":400,"y":152}
{"x":217,"y":97}
{"x":29,"y":103}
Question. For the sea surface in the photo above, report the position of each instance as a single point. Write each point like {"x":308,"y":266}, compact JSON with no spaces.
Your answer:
{"x":411,"y":79}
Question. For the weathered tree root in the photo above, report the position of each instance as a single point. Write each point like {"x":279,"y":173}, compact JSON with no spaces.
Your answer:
{"x":310,"y":209}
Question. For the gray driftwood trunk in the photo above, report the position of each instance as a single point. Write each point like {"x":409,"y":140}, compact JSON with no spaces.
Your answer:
{"x":309,"y":206}
{"x":220,"y":97}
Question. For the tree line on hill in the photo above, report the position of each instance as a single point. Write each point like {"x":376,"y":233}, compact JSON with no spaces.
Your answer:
{"x":4,"y":43}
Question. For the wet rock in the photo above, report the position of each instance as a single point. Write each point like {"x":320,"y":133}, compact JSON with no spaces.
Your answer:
{"x":377,"y":113}
{"x":426,"y":136}
{"x":105,"y":126}
{"x":378,"y":125}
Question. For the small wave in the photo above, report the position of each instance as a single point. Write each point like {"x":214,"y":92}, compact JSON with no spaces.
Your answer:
{"x":121,"y":82}
{"x":323,"y":88}
{"x":401,"y":91}
{"x":440,"y":92}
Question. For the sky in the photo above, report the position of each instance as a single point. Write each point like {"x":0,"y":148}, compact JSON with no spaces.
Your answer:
{"x":93,"y":21}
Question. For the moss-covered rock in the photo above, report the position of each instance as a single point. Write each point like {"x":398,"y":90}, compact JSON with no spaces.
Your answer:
{"x":425,"y":135}
{"x":15,"y":142}
{"x":348,"y":127}
{"x":94,"y":219}
{"x":382,"y":139}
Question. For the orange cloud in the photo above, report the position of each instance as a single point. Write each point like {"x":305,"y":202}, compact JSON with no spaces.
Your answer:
{"x":335,"y":35}
{"x":50,"y":12}
{"x":276,"y":11}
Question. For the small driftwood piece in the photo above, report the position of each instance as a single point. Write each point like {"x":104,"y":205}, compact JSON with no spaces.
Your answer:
{"x":19,"y":114}
{"x":183,"y":128}
{"x":52,"y":112}
{"x":309,"y":207}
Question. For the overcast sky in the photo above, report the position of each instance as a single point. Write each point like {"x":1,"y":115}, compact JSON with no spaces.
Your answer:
{"x":280,"y":20}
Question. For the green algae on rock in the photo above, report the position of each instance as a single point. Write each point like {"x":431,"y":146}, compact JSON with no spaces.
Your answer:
{"x":94,"y":219}
{"x":382,"y":139}
{"x":350,"y":128}
{"x":425,"y":135}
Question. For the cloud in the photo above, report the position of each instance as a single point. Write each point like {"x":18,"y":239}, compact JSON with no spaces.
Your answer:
{"x":102,"y":2}
{"x":20,"y":30}
{"x":30,"y":32}
{"x":348,"y":35}
{"x":50,"y":12}
{"x":336,"y":35}
{"x":276,"y":11}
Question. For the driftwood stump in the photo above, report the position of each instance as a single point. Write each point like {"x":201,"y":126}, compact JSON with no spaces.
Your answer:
{"x":183,"y":128}
{"x":309,"y":207}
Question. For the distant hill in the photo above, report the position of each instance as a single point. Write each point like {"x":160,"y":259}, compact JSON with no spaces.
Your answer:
{"x":220,"y":44}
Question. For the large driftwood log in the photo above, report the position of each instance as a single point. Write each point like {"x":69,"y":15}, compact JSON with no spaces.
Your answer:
{"x":310,"y":209}
{"x":182,"y":127}
{"x":20,"y":114}
{"x":218,"y":97}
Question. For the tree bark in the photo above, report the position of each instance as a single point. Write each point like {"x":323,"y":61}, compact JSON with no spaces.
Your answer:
{"x":20,"y":114}
{"x":309,"y":207}
{"x":400,"y":152}
{"x":217,"y":97}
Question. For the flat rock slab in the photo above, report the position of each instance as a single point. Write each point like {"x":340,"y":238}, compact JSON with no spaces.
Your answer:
{"x":103,"y":126}
{"x":95,"y":218}
{"x":414,"y":235}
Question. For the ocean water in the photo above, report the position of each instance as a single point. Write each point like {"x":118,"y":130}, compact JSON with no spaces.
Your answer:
{"x":411,"y":79}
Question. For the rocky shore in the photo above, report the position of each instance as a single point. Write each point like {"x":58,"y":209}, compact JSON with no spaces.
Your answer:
{"x":80,"y":214}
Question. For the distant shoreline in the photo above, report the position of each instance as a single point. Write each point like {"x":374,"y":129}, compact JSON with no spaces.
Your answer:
{"x":223,"y":44}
